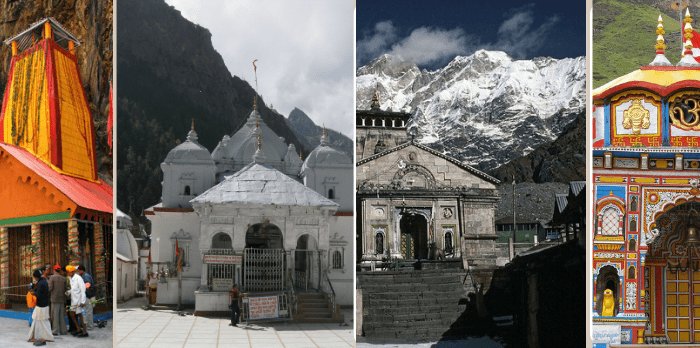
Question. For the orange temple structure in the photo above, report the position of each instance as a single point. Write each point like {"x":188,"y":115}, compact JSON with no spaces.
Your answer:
{"x":53,"y":207}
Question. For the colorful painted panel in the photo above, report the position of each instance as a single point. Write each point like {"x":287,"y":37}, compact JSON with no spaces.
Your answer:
{"x":636,"y":121}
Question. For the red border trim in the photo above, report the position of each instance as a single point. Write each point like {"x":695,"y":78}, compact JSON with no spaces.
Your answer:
{"x":54,"y":112}
{"x":10,"y":76}
{"x":651,"y":87}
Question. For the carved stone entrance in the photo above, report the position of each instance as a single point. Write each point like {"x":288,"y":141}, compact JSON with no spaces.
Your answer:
{"x":413,"y":225}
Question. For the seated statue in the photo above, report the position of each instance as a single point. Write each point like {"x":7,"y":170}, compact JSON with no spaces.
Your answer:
{"x":608,"y":304}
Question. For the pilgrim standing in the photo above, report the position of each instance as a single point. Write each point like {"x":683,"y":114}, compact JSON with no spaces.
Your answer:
{"x":57,"y":288}
{"x":40,"y":331}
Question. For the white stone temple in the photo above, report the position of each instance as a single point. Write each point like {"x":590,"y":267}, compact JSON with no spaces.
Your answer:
{"x":253,"y":213}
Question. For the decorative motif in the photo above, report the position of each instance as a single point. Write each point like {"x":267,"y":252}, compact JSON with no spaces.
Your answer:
{"x":685,"y":113}
{"x":4,"y":259}
{"x":630,"y":163}
{"x":597,"y":162}
{"x":631,"y":296}
{"x":636,"y":117}
{"x":447,"y":213}
{"x":73,"y":244}
{"x":36,"y":246}
{"x":378,"y":211}
{"x":100,"y":254}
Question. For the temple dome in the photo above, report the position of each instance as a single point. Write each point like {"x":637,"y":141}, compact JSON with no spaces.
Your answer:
{"x":325,"y":156}
{"x":241,"y":145}
{"x":189,"y":151}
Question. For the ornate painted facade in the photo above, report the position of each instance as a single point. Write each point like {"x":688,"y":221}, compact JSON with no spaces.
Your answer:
{"x":646,"y":165}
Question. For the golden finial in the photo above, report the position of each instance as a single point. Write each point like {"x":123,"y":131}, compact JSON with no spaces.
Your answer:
{"x":688,"y":27}
{"x":660,"y":42}
{"x":192,"y":126}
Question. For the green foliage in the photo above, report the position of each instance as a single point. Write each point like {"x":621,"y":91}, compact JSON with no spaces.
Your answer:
{"x":624,"y":36}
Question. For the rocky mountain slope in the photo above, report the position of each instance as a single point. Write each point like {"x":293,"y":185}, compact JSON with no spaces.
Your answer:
{"x":562,"y":160}
{"x":487,"y":108}
{"x":309,"y":133}
{"x":169,"y":73}
{"x":91,"y":23}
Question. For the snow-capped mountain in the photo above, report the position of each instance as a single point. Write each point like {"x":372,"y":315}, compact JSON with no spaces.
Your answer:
{"x":486,"y":108}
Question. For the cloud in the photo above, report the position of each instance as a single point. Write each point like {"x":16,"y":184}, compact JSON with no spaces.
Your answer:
{"x":373,"y":45}
{"x":518,"y":35}
{"x":425,"y":45}
{"x":304,"y":51}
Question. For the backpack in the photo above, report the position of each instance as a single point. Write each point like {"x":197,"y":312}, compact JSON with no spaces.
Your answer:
{"x":90,"y":292}
{"x":31,"y":299}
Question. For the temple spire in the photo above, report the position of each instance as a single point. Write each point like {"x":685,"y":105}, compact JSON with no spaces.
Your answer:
{"x":660,"y":59}
{"x":255,"y":95}
{"x":688,"y":59}
{"x":324,"y":136}
{"x":259,"y":156}
{"x":375,"y":99}
{"x":192,"y":134}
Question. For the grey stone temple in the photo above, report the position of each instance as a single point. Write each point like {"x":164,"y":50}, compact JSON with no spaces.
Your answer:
{"x":425,"y":230}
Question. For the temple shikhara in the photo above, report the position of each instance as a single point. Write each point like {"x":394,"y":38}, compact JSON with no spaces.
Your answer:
{"x":55,"y":208}
{"x":646,"y":166}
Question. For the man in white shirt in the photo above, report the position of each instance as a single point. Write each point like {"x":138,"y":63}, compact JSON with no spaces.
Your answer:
{"x":77,"y":301}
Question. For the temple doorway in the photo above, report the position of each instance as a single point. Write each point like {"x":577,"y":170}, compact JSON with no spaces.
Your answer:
{"x":414,"y":236}
{"x":675,"y":253}
{"x":264,"y":258}
{"x":306,"y":263}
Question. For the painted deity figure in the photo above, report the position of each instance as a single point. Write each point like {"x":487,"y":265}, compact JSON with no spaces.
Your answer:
{"x":636,"y":117}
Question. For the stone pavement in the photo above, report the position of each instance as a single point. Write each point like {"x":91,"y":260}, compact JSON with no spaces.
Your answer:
{"x":13,"y":333}
{"x":135,"y":328}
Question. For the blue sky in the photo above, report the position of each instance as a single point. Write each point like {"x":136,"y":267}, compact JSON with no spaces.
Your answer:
{"x":431,"y":33}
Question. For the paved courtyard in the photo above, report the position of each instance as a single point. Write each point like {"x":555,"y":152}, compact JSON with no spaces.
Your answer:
{"x":13,"y":333}
{"x":135,"y":328}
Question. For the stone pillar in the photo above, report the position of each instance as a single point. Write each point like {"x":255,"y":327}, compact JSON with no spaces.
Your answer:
{"x":99,"y":254}
{"x":203,"y":286}
{"x":4,"y":258}
{"x":36,"y":246}
{"x":73,"y":245}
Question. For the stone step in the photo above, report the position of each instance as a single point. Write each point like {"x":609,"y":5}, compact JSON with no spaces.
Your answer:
{"x":379,"y":288}
{"x":400,"y":302}
{"x":378,"y":310}
{"x":313,"y":304}
{"x":449,"y":293}
{"x":449,"y":278}
{"x":419,"y":334}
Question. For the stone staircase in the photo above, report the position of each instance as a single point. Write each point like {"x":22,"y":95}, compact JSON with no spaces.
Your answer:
{"x":315,"y":307}
{"x":412,"y":305}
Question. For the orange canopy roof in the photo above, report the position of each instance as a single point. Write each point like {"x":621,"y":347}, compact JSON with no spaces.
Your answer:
{"x":87,"y":194}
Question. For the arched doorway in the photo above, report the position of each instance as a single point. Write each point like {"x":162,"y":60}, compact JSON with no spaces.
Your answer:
{"x":264,"y":236}
{"x":673,"y":260}
{"x":264,"y":260}
{"x":607,"y":278}
{"x":306,"y":263}
{"x":222,"y":276}
{"x":414,"y":235}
